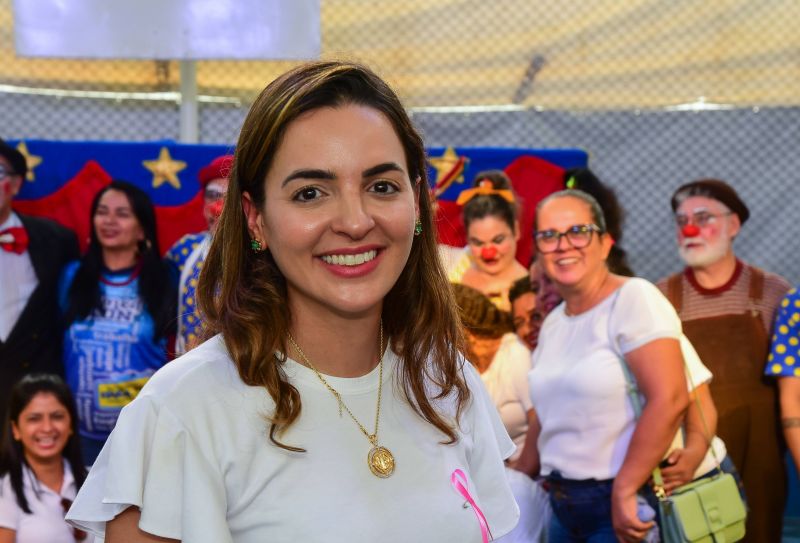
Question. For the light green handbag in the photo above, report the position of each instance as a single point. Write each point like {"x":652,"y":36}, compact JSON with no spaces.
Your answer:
{"x":708,"y":510}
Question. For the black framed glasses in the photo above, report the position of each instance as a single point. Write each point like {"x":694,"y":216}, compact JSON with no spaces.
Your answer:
{"x":213,"y":195}
{"x":578,"y":236}
{"x":698,"y":218}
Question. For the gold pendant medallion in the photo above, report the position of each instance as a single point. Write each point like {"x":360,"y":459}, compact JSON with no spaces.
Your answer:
{"x":380,"y":461}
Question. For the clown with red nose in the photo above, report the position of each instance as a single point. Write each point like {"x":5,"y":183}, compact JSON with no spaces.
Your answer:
{"x":727,"y":308}
{"x":190,"y":251}
{"x":488,"y":262}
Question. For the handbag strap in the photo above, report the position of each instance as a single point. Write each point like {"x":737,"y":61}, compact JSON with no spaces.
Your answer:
{"x":633,"y":392}
{"x":706,"y":431}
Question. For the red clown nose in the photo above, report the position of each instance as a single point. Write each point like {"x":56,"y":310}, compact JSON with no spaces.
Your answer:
{"x":216,"y":208}
{"x":488,"y":253}
{"x":690,"y":231}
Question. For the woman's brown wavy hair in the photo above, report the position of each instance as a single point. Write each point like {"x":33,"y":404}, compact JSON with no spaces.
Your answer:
{"x":242,"y":294}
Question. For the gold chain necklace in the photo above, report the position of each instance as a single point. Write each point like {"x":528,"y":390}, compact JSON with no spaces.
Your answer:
{"x":379,"y":459}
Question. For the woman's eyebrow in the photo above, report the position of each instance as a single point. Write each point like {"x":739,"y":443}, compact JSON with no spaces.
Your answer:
{"x":382,"y":168}
{"x":309,"y":173}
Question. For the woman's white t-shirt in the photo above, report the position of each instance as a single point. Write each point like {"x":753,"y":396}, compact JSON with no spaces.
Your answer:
{"x":506,"y":379}
{"x":193,"y":452}
{"x":45,"y":523}
{"x":577,"y":385}
{"x":698,"y":374}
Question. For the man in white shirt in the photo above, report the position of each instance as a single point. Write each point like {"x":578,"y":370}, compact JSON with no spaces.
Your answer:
{"x":32,"y":253}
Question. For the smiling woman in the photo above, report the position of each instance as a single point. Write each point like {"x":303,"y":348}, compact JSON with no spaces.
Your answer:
{"x":332,"y":404}
{"x":118,"y":304}
{"x":596,"y":455}
{"x":41,"y":467}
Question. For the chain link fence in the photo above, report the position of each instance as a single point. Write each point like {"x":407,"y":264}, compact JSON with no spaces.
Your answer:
{"x":658,"y":92}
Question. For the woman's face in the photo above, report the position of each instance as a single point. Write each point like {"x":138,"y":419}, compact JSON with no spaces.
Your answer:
{"x":493,"y":244}
{"x":339,"y":210}
{"x":568,"y":266}
{"x":116,"y":225}
{"x":43,"y":427}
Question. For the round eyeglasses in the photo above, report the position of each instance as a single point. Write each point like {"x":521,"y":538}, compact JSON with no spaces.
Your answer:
{"x":578,"y":236}
{"x":698,"y":218}
{"x":213,"y":195}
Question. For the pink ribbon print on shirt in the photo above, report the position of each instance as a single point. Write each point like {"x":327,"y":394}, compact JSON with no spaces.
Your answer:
{"x":459,"y":481}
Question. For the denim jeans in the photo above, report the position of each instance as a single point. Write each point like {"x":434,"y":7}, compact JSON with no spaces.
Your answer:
{"x":581,"y":511}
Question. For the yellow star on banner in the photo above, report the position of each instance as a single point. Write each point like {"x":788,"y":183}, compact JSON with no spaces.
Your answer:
{"x":31,"y":160}
{"x":165,"y":169}
{"x":449,"y":169}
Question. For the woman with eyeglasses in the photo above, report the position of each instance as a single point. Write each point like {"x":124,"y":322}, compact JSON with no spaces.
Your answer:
{"x":488,"y":262}
{"x":583,"y":435}
{"x":41,"y":468}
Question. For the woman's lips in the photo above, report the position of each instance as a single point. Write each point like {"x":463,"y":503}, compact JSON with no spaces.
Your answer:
{"x":350,"y":263}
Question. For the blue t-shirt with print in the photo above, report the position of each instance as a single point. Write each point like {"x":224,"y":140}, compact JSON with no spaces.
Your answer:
{"x":109,"y":356}
{"x":784,"y":356}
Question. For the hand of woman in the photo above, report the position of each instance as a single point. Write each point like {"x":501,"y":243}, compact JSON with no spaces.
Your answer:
{"x":682,"y":464}
{"x":700,"y":424}
{"x":625,"y":518}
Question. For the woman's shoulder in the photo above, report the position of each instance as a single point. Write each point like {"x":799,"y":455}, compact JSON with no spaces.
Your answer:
{"x":642,"y":314}
{"x":512,"y":346}
{"x":5,"y":480}
{"x":636,"y":291}
{"x":7,"y":495}
{"x":204,"y":373}
{"x":513,"y":358}
{"x":639,"y":286}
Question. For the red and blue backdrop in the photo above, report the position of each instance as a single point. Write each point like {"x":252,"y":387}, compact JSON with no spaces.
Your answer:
{"x":65,"y":176}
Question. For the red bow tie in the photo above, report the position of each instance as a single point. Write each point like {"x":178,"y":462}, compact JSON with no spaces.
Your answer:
{"x":14,"y":240}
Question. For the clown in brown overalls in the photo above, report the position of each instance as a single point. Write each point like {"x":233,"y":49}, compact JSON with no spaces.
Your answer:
{"x":727,"y":308}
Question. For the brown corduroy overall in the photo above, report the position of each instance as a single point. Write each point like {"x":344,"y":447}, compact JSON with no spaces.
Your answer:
{"x":735,"y":348}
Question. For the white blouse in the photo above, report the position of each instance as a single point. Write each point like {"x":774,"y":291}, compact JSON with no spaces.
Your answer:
{"x":506,"y":379}
{"x":193,"y":452}
{"x":45,"y":523}
{"x":577,"y":385}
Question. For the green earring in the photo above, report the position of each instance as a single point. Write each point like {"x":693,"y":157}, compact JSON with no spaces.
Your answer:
{"x":418,"y":227}
{"x":255,"y":245}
